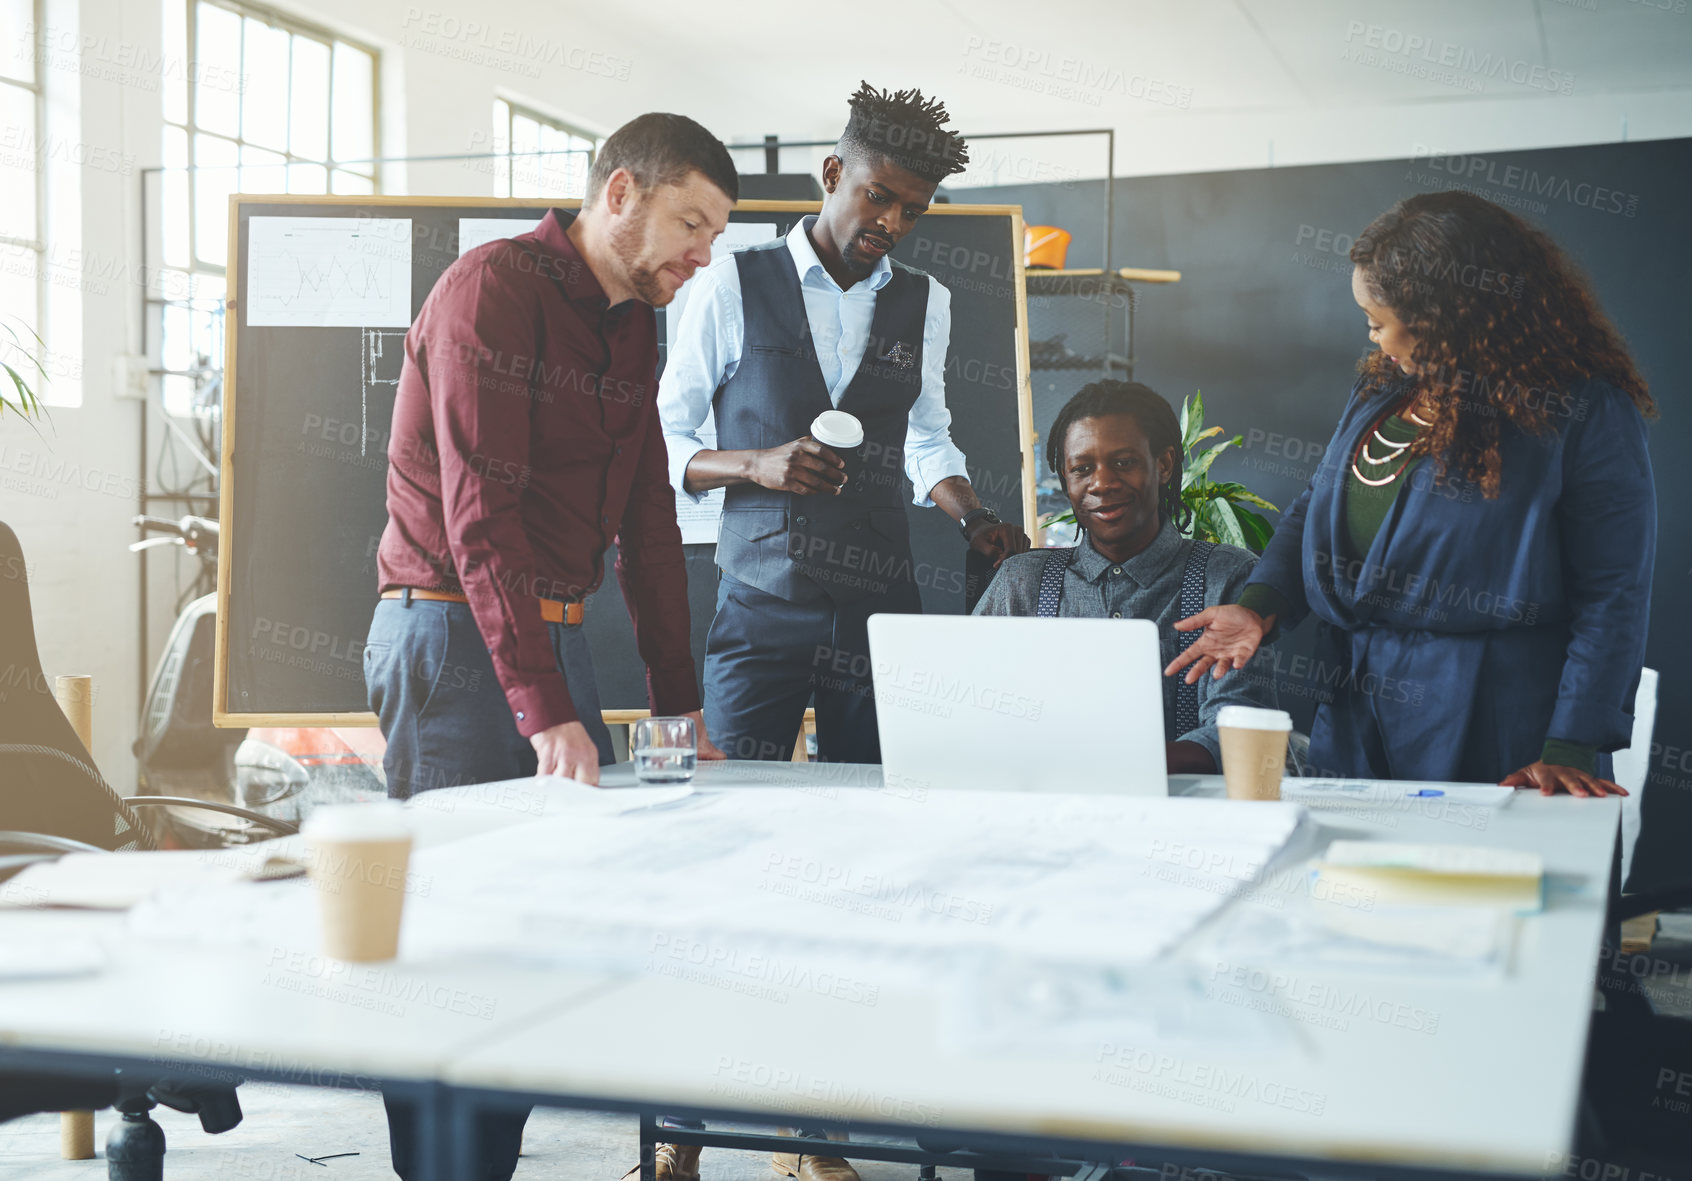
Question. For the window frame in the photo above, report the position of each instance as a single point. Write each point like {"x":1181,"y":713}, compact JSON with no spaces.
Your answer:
{"x":193,"y":269}
{"x":37,"y":243}
{"x":294,"y":27}
{"x":507,"y":159}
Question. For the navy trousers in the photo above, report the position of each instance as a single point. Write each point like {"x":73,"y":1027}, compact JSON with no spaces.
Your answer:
{"x":767,"y":657}
{"x":431,"y":682}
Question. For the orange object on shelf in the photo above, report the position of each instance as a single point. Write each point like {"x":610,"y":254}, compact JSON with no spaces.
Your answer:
{"x":1044,"y":247}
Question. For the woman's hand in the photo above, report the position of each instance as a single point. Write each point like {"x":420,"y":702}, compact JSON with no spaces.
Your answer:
{"x":1549,"y":778}
{"x":1231,"y":636}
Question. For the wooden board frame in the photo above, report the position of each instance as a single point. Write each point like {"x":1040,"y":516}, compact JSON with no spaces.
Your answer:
{"x":221,"y":715}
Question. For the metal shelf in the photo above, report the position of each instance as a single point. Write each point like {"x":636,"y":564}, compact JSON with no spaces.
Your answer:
{"x":1112,"y":291}
{"x":1077,"y":361}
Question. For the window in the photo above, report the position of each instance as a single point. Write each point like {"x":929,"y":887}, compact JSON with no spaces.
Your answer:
{"x":543,"y":157}
{"x":267,"y":104}
{"x":22,"y":245}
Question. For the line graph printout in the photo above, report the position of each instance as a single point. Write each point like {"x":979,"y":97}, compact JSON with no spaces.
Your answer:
{"x":329,"y":272}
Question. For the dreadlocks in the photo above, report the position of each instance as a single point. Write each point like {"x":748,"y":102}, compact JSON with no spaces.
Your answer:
{"x":905,"y":128}
{"x":1150,"y":412}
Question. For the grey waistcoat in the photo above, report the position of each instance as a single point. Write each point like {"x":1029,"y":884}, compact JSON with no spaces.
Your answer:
{"x":803,"y":548}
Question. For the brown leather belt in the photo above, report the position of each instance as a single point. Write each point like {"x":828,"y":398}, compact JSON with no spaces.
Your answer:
{"x":552,"y":610}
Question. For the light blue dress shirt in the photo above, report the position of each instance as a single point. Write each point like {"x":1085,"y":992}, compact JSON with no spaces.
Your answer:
{"x":712,"y":334}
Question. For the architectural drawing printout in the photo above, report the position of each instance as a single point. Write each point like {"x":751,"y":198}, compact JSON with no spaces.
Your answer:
{"x":329,"y":272}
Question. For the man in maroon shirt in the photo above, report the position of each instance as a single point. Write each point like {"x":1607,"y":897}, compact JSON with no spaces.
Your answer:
{"x":525,"y":438}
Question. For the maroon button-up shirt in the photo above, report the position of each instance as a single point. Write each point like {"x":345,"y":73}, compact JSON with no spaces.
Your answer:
{"x":525,"y":438}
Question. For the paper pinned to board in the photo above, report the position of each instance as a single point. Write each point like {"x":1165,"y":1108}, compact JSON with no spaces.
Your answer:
{"x":479,"y":231}
{"x":329,"y":272}
{"x":700,"y":520}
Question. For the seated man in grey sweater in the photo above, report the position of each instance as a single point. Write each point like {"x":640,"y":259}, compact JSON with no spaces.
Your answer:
{"x":1116,"y":446}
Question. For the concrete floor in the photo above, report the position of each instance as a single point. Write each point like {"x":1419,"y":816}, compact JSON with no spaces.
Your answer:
{"x":281,"y":1121}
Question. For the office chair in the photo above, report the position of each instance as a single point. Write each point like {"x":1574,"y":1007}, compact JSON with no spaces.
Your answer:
{"x":1633,"y":762}
{"x":53,"y":801}
{"x":1639,"y":1061}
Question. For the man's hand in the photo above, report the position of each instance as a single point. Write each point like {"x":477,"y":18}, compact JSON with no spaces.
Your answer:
{"x":1550,"y":779}
{"x":707,"y":748}
{"x":804,"y":466}
{"x":566,"y":749}
{"x":999,"y":541}
{"x":1231,"y":636}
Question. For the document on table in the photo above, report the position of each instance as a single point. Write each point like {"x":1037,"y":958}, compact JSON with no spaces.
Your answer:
{"x":115,"y":881}
{"x":1057,"y":879}
{"x":1398,"y":793}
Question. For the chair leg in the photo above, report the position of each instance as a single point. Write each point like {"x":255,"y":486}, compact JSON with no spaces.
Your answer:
{"x":135,"y":1148}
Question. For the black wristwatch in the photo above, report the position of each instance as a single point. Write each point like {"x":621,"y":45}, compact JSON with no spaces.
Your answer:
{"x":967,"y":522}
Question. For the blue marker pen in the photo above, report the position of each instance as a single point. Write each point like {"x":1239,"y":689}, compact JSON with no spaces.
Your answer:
{"x":1426,"y":791}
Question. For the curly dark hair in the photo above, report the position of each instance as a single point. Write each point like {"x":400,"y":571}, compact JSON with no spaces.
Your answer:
{"x":1503,"y":322}
{"x":907,"y":129}
{"x":1154,"y":416}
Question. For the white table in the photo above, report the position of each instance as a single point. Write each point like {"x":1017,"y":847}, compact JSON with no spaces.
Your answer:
{"x":1479,"y":1074}
{"x":1493,"y":1087}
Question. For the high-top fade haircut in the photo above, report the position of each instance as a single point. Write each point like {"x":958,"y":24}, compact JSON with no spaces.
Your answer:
{"x":904,"y":128}
{"x":661,"y":149}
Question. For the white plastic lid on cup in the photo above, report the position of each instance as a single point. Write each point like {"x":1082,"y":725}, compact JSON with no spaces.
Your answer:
{"x":1250,"y":717}
{"x":836,"y":428}
{"x":378,"y":820}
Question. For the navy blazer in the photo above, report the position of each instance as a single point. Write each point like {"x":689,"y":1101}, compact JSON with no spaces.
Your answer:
{"x":1474,"y":629}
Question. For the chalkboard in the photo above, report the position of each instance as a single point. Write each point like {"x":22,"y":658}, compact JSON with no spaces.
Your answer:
{"x":307,"y":411}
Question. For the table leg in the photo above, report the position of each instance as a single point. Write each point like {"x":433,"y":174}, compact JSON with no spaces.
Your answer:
{"x":648,"y":1146}
{"x":432,"y":1133}
{"x":463,"y":1118}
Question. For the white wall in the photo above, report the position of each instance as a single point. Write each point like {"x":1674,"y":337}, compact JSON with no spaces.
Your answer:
{"x":70,"y":497}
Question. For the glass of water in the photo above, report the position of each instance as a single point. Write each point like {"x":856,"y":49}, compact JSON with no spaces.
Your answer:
{"x":664,"y":750}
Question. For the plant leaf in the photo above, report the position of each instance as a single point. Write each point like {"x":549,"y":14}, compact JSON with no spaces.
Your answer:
{"x":1201,"y":465}
{"x":1257,"y":529}
{"x":1192,"y":421}
{"x":1240,"y":494}
{"x":27,"y":403}
{"x":1226,"y":523}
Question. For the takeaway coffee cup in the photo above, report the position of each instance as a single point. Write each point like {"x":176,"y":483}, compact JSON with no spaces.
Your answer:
{"x":1254,"y":750}
{"x":842,"y":434}
{"x":358,"y":855}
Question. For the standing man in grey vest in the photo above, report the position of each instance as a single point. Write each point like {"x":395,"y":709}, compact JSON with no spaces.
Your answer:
{"x":813,"y":542}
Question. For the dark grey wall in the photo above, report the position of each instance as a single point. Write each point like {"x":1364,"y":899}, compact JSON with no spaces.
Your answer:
{"x":1263,"y":322}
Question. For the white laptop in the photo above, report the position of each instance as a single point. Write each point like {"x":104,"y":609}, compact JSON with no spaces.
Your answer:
{"x":1003,"y":704}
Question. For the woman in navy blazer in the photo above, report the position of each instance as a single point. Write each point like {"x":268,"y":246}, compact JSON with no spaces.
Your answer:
{"x":1478,"y":541}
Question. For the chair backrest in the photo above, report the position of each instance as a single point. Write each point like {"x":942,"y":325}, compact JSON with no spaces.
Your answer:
{"x":48,"y":782}
{"x":1631,"y":764}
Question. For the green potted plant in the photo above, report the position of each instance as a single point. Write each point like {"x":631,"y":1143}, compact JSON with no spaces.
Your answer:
{"x":1220,"y":511}
{"x":21,"y":398}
